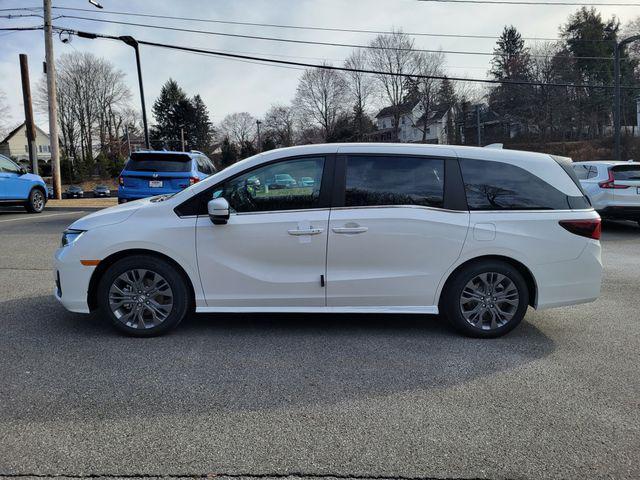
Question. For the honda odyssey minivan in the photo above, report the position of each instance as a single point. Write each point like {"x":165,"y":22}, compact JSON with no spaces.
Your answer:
{"x":478,"y":235}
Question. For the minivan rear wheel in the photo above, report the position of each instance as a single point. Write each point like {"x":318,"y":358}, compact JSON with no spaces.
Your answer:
{"x":486,"y":299}
{"x":143,"y":296}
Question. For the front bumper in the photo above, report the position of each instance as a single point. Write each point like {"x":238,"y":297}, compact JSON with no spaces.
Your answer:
{"x":72,"y":281}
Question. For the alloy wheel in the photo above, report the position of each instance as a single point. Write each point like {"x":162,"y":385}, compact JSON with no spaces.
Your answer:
{"x":37,"y":200}
{"x":140,"y":298}
{"x":489,"y":301}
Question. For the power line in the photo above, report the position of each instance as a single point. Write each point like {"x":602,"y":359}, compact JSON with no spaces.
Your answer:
{"x":311,"y":42}
{"x":297,"y":27}
{"x":331,"y":67}
{"x":525,"y":2}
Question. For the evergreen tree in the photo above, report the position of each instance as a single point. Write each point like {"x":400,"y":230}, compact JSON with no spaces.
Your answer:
{"x":203,"y":128}
{"x":447,"y":97}
{"x":229,"y":154}
{"x":168,"y":110}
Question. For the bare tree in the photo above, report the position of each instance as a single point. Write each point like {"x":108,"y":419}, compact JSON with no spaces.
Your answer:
{"x":5,"y":115}
{"x":320,"y":99}
{"x":279,"y":125}
{"x":393,"y":54}
{"x":361,"y":87}
{"x":92,"y":96}
{"x":424,"y":89}
{"x":239,"y":127}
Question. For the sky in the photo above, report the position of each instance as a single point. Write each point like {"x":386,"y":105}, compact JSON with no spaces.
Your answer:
{"x":229,"y":86}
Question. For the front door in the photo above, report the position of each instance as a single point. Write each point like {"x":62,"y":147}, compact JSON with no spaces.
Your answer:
{"x":392,"y":241}
{"x":11,"y":186}
{"x":272,"y":251}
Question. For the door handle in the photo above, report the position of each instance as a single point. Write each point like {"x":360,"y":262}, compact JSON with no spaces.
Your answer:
{"x":307,"y":231}
{"x":348,"y":230}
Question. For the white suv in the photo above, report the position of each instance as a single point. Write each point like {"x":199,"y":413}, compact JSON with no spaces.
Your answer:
{"x":476,"y":234}
{"x":612,"y":187}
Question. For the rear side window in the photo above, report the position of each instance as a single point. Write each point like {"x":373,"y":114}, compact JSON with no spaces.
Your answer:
{"x":585,"y":172}
{"x":158,"y":162}
{"x":502,"y":186}
{"x":394,"y":180}
{"x":626,"y":172}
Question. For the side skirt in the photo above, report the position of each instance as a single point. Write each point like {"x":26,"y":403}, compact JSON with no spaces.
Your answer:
{"x":428,"y":309}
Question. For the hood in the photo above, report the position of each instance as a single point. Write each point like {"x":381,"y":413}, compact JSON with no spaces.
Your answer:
{"x":109,"y":216}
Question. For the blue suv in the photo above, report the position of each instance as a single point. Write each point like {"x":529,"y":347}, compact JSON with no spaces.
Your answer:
{"x":18,"y":187}
{"x":149,"y":173}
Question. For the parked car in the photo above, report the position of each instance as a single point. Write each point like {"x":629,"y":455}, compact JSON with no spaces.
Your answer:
{"x":18,"y":187}
{"x":150,"y":173}
{"x":101,"y":191}
{"x":73,"y":191}
{"x":307,"y":182}
{"x":612,"y":187}
{"x":282,"y":180}
{"x":478,"y":235}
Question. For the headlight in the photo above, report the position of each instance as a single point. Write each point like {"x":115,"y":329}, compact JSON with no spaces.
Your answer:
{"x":70,"y":236}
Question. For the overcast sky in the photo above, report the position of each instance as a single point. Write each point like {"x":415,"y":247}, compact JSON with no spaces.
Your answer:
{"x":230,"y":85}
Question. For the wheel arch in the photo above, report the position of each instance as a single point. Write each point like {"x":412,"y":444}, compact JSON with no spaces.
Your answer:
{"x":37,"y":186}
{"x":103,"y":266}
{"x":529,"y":279}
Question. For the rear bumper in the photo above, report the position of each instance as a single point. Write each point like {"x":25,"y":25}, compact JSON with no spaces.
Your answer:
{"x":571,"y":282}
{"x":621,"y":212}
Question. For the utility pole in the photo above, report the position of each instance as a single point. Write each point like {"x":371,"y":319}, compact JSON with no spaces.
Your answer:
{"x":28,"y":113}
{"x":478,"y":125}
{"x":182,"y":138}
{"x":258,"y":123}
{"x":52,"y":100}
{"x":616,"y":91}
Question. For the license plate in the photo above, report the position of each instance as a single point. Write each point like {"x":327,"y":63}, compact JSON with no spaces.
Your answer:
{"x":155,"y":183}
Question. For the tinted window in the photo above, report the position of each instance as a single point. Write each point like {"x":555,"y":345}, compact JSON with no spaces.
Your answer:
{"x":501,"y":186}
{"x":391,"y":180}
{"x":287,"y":185}
{"x":626,"y":172}
{"x":158,"y":162}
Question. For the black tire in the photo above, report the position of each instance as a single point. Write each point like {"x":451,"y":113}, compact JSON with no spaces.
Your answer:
{"x":36,"y":201}
{"x":181,"y":302}
{"x":120,"y":201}
{"x":450,"y":304}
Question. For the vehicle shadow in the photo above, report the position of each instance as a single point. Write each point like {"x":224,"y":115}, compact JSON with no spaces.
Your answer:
{"x":215,"y":363}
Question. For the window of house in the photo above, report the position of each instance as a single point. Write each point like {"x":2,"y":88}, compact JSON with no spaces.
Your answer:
{"x":287,"y":185}
{"x":26,"y":148}
{"x":394,"y":180}
{"x":502,"y":186}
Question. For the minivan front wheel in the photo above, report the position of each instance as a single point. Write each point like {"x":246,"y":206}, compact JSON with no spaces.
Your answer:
{"x":486,"y":299}
{"x":143,"y":296}
{"x":36,"y":201}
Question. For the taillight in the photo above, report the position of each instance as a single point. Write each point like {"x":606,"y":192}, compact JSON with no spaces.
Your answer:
{"x":121,"y":181}
{"x":610,"y":182}
{"x":193,"y":180}
{"x":585,"y":228}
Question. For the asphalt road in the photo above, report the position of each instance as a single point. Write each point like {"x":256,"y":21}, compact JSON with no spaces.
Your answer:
{"x":311,"y":395}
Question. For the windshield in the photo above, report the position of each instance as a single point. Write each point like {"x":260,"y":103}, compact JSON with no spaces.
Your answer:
{"x":158,"y":162}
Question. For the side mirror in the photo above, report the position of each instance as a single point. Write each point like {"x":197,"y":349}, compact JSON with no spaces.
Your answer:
{"x":218,"y":209}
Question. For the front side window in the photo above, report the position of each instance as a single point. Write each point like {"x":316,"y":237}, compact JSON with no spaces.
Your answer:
{"x":7,"y":166}
{"x":287,"y":185}
{"x":394,"y":180}
{"x":502,"y":186}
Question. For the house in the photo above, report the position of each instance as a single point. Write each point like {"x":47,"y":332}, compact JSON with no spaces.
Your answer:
{"x":15,"y":145}
{"x":413,"y":124}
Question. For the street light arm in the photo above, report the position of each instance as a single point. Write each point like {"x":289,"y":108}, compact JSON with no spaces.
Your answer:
{"x":628,"y":40}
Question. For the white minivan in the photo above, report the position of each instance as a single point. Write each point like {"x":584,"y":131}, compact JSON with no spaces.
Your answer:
{"x":475,"y":234}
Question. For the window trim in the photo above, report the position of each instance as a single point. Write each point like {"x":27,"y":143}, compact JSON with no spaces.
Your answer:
{"x":454,"y":198}
{"x":324,"y":199}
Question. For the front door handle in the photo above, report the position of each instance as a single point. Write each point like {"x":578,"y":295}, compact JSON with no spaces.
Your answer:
{"x":348,"y":230}
{"x":307,"y":231}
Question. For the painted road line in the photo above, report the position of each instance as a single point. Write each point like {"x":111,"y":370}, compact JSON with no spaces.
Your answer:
{"x":40,"y":216}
